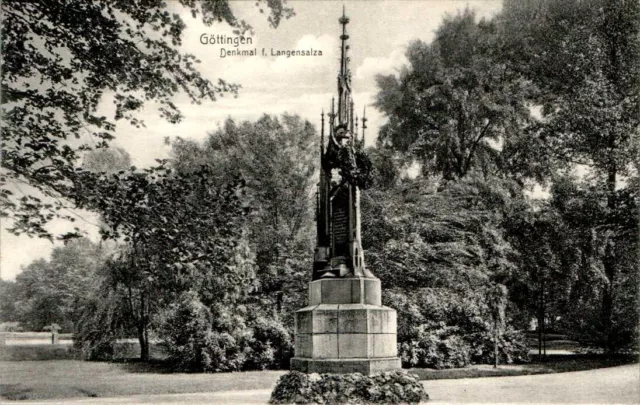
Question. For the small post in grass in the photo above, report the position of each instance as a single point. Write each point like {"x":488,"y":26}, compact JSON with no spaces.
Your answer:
{"x":54,"y":328}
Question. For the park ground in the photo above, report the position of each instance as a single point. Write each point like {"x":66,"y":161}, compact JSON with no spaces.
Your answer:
{"x":605,"y":385}
{"x":61,"y":381}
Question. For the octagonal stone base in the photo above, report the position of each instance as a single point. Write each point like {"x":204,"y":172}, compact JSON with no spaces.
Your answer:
{"x":345,"y":329}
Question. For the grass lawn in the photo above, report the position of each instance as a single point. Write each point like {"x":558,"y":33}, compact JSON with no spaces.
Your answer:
{"x":553,"y":364}
{"x":70,"y":378}
{"x":73,"y":378}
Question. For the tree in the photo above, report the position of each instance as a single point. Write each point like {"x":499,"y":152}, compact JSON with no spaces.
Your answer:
{"x":415,"y":236}
{"x":545,"y":271}
{"x":386,"y":166}
{"x":8,"y":298}
{"x":61,"y":59}
{"x":562,"y":279}
{"x":456,"y":110}
{"x":55,"y":291}
{"x":179,"y":231}
{"x":584,"y":57}
{"x":601,"y":311}
{"x":277,"y":157}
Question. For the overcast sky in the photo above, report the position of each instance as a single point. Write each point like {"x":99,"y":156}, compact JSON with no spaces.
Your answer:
{"x":379,"y":32}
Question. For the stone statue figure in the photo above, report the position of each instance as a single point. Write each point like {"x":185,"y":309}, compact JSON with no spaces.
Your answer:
{"x":339,"y":249}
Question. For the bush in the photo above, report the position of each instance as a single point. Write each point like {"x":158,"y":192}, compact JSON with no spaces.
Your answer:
{"x":217,"y":339}
{"x":384,"y":388}
{"x":435,"y":350}
{"x":94,"y":339}
{"x":102,"y":322}
{"x":512,"y":347}
{"x":271,"y":345}
{"x":441,"y":329}
{"x":96,"y":348}
{"x":192,"y":344}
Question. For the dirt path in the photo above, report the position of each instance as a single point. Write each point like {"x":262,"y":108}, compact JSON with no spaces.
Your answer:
{"x":615,"y":385}
{"x":607,"y":385}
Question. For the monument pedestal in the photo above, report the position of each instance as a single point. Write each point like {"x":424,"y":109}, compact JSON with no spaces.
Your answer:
{"x":345,"y":329}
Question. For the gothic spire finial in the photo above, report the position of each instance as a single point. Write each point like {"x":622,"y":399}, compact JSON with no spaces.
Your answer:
{"x":322,"y":136}
{"x":355,"y":133}
{"x":344,"y":77}
{"x":364,"y":123}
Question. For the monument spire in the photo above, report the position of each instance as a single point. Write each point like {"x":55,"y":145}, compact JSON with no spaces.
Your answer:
{"x":322,"y":135}
{"x":358,"y":334}
{"x":339,"y":250}
{"x":344,"y":78}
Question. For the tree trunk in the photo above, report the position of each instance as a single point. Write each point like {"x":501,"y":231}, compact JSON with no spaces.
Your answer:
{"x":544,"y":324}
{"x":144,"y":344}
{"x":541,"y":318}
{"x":539,"y":338}
{"x":495,"y":343}
{"x":609,"y":264}
{"x":607,"y":295}
{"x":143,"y":332}
{"x":544,"y":339}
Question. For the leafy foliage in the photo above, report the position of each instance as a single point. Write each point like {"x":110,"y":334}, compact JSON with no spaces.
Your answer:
{"x":440,"y":328}
{"x":440,"y":250}
{"x":561,"y":80}
{"x":54,"y":291}
{"x":101,"y":323}
{"x":60,"y":60}
{"x":456,"y":110}
{"x":271,"y":345}
{"x":432,"y":350}
{"x":454,"y":233}
{"x":277,"y":157}
{"x":178,"y":232}
{"x":585,"y":59}
{"x":570,"y":235}
{"x":192,"y":342}
{"x":220,"y":338}
{"x":383,"y":388}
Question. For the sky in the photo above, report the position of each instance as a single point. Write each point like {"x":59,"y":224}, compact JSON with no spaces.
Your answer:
{"x":379,"y":33}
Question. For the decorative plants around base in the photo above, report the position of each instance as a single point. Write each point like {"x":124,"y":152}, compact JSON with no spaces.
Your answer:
{"x":392,"y":387}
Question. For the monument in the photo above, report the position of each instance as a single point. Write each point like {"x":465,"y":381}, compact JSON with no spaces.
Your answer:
{"x":345,"y":328}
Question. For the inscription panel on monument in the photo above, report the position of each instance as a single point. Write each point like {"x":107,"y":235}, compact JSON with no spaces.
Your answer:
{"x":340,"y":222}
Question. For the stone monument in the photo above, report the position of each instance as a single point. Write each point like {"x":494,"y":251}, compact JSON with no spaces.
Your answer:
{"x":345,"y":328}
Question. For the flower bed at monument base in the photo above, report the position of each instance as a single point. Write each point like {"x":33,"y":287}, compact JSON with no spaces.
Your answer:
{"x":394,"y":387}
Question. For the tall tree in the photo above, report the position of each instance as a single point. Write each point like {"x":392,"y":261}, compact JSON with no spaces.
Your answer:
{"x":456,"y":110}
{"x":61,"y":59}
{"x":179,"y":231}
{"x":584,"y":57}
{"x":55,"y":291}
{"x":277,"y":157}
